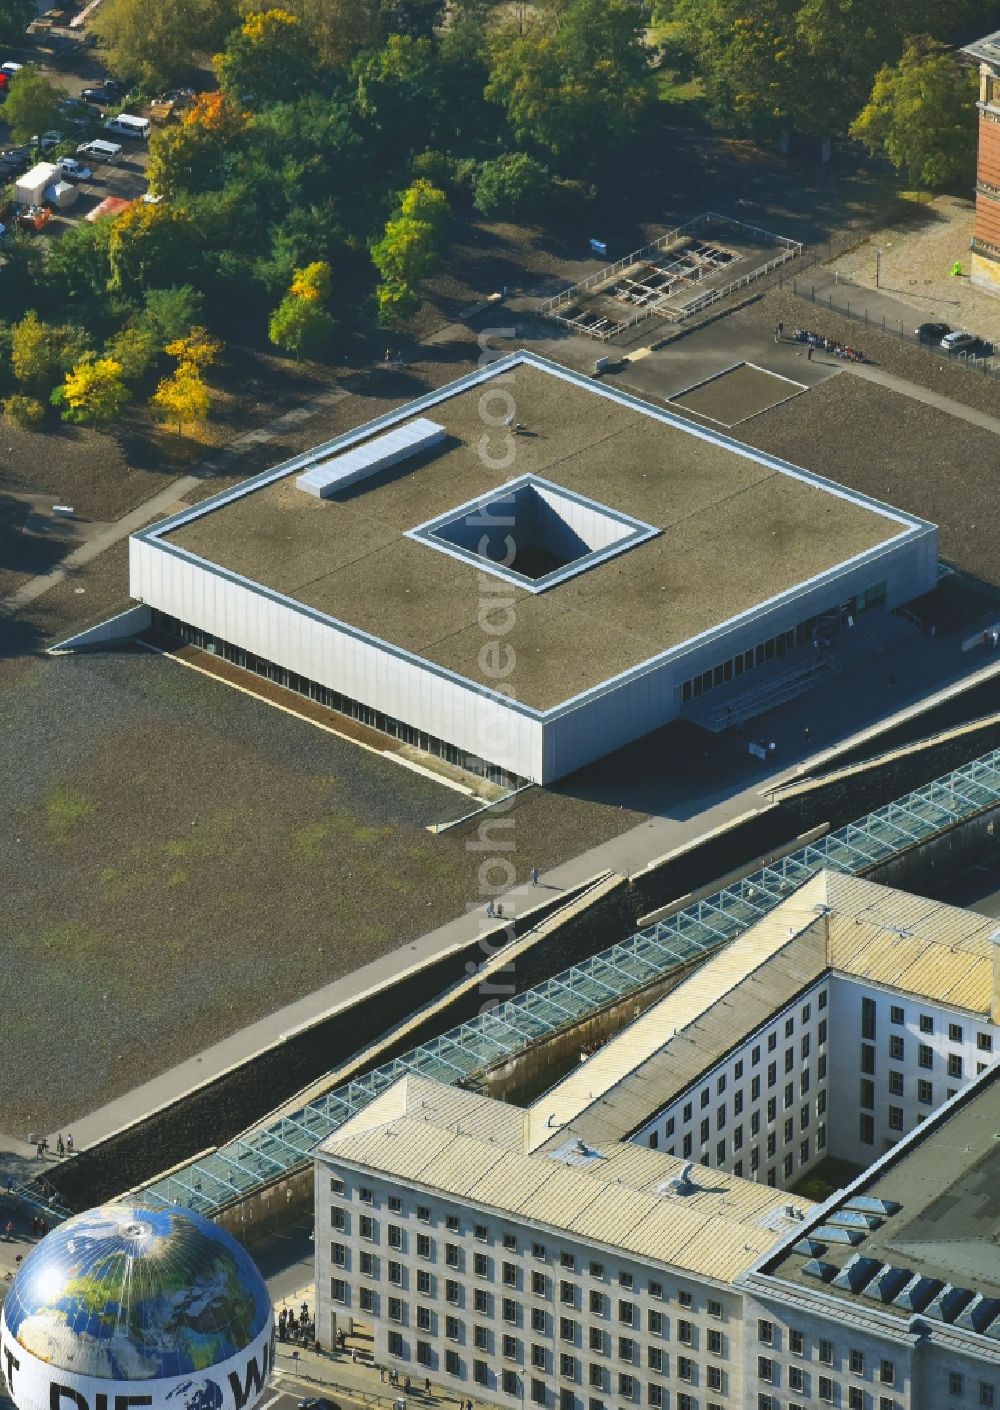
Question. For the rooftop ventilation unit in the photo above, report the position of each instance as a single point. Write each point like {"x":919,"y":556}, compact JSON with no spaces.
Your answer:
{"x":948,"y":1303}
{"x":681,"y":1184}
{"x":887,"y":1282}
{"x":832,"y":1235}
{"x":978,"y":1314}
{"x":328,"y":476}
{"x":816,"y":1268}
{"x":857,"y":1273}
{"x":871,"y":1204}
{"x":917,"y":1293}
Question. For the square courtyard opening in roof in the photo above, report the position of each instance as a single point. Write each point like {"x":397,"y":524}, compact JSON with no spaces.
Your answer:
{"x":534,"y":533}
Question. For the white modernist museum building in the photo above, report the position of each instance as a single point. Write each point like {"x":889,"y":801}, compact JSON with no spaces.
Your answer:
{"x":526,"y":569}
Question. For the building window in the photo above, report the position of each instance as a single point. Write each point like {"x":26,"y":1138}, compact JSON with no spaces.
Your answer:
{"x":425,"y":1318}
{"x":685,"y":1333}
{"x":765,"y":1332}
{"x":480,"y":1232}
{"x":567,"y":1328}
{"x":338,"y":1254}
{"x":423,"y":1213}
{"x":685,"y":1368}
{"x":453,"y":1363}
{"x":954,"y":1033}
{"x":366,"y":1226}
{"x":626,"y":1313}
{"x":368,"y":1266}
{"x":567,"y":1293}
{"x":567,"y":1366}
{"x":338,"y":1219}
{"x":868,"y":1059}
{"x":986,"y":1395}
{"x":683,"y":1299}
{"x":510,"y":1383}
{"x":452,"y":1291}
{"x":538,"y":1250}
{"x":926,"y":1023}
{"x":452,"y":1328}
{"x":654,"y":1358}
{"x":867,"y":1132}
{"x":452,"y":1255}
{"x":508,"y":1272}
{"x":395,"y":1271}
{"x":896,"y":1047}
{"x":887,"y":1373}
{"x":336,"y":1185}
{"x":654,"y":1320}
{"x":826,"y":1389}
{"x":956,"y":1383}
{"x":394,"y":1342}
{"x":925,"y":1092}
{"x":538,"y":1284}
{"x":480,"y":1373}
{"x":984,"y":1042}
{"x":596,"y":1339}
{"x":626,"y":1385}
{"x":714,"y":1341}
{"x":338,"y":1290}
{"x":855,"y":1398}
{"x":424,"y":1353}
{"x":826,"y":1352}
{"x":714,"y":1376}
{"x":424,"y":1281}
{"x":423,"y":1246}
{"x":796,"y":1378}
{"x":655,"y":1395}
{"x":626,"y":1348}
{"x":596,"y":1302}
{"x":626,"y":1280}
{"x":954,"y":1065}
{"x":765,"y":1368}
{"x":481,"y":1265}
{"x":796,"y":1342}
{"x":538,"y":1319}
{"x":395,"y":1236}
{"x":481,"y":1337}
{"x":896,"y":1083}
{"x":481,"y":1300}
{"x":868,"y":1019}
{"x":509,"y":1346}
{"x":895,"y":1118}
{"x":896,"y":1014}
{"x":925,"y":1056}
{"x":366,"y":1298}
{"x":508,"y":1309}
{"x":867,"y":1094}
{"x":857,"y":1363}
{"x":655,"y":1288}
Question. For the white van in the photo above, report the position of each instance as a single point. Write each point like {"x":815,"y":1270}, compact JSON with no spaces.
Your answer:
{"x":125,"y":125}
{"x":99,"y":151}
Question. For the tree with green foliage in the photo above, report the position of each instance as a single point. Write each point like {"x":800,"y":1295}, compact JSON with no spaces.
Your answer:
{"x":159,"y":45}
{"x":405,"y":254}
{"x":93,"y":393}
{"x":398,"y":96}
{"x":150,"y":247}
{"x":338,"y":30}
{"x":575,"y":78}
{"x":15,"y":16}
{"x":134,"y":348}
{"x":268,"y":59}
{"x":423,"y":201}
{"x":32,"y":105}
{"x":183,"y":398}
{"x":77,"y":269}
{"x":40,"y":352}
{"x":26,"y":412}
{"x":301,"y":323}
{"x":918,"y":116}
{"x":395,"y":301}
{"x":171,"y":313}
{"x":514,"y":185}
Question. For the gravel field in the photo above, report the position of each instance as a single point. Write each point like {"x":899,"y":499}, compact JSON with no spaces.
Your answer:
{"x":181,"y":859}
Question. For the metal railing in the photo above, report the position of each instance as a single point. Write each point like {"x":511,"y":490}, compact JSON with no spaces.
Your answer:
{"x":550,"y":307}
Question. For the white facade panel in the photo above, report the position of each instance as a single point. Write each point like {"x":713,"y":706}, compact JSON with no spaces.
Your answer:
{"x":326,"y":653}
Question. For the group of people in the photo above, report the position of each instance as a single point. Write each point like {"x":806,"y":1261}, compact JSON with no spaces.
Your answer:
{"x":298,"y":1329}
{"x":62,"y":1147}
{"x":830,"y":345}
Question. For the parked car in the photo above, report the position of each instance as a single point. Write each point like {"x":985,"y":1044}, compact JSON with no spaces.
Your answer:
{"x":52,"y":138}
{"x":99,"y":151}
{"x":959,"y":341}
{"x":72,"y":170}
{"x":10,"y":68}
{"x":79,"y":114}
{"x":107,"y":92}
{"x":932,"y":332}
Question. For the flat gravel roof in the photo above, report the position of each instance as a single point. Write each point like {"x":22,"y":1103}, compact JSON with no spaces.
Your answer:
{"x":736,"y":529}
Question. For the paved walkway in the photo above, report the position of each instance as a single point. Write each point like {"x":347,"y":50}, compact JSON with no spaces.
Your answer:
{"x":929,"y":398}
{"x":163,"y":502}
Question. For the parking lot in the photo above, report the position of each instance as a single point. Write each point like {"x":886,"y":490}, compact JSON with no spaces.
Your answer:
{"x":125,"y":178}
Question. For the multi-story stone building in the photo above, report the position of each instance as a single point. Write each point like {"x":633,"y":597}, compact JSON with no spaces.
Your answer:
{"x":985,"y":259}
{"x":574,"y":1255}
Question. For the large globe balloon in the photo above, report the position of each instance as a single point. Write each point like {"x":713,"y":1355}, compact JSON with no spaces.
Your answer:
{"x":123,"y":1307}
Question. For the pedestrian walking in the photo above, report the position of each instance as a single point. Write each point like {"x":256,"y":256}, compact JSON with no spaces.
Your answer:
{"x":60,"y":1146}
{"x":69,"y":1142}
{"x":809,"y":353}
{"x":10,"y":1230}
{"x":427,"y":1385}
{"x":535,"y":873}
{"x":491,"y":909}
{"x":38,"y":1150}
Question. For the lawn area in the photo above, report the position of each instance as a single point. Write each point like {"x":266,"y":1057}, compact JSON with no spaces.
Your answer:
{"x":182,"y":859}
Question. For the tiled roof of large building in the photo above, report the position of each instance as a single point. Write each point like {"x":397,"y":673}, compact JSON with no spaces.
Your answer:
{"x":471,"y":1148}
{"x":834,"y":922}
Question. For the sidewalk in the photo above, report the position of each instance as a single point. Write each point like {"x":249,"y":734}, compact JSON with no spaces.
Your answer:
{"x":360,"y":1381}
